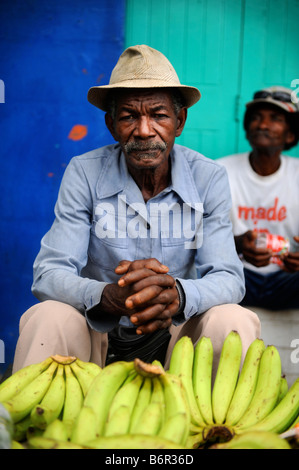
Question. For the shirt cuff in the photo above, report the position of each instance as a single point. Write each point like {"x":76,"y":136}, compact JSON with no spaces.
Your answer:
{"x":93,"y":295}
{"x":179,"y":317}
{"x":192,"y":301}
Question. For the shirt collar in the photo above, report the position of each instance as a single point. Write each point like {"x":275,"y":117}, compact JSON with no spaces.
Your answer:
{"x":182,"y":181}
{"x":182,"y":178}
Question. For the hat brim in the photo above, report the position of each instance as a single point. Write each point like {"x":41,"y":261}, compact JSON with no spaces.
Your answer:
{"x":288,"y":107}
{"x":97,"y":95}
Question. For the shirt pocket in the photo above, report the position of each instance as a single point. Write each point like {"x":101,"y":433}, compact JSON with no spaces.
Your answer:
{"x":181,"y":240}
{"x":107,"y":249}
{"x":177,"y":254}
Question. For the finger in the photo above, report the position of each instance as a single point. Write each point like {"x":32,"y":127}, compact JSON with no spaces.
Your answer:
{"x":166,"y":296}
{"x":149,"y":263}
{"x":134,"y":276}
{"x":154,"y":326}
{"x":144,"y":278}
{"x":143,"y":296}
{"x":257,"y":259}
{"x":292,"y":263}
{"x":148,"y":314}
{"x":155,"y":312}
{"x":122,"y":267}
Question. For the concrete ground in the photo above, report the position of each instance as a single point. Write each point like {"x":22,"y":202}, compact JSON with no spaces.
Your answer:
{"x":281,"y":328}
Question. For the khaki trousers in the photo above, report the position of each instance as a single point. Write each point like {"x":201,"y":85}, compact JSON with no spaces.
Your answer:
{"x":52,"y":327}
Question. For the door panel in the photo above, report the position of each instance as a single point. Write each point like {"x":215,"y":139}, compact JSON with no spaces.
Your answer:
{"x":201,"y":39}
{"x":228,"y":49}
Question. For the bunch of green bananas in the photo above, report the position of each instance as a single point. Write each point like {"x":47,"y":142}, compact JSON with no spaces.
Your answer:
{"x":254,"y":397}
{"x":38,"y":394}
{"x":129,"y":405}
{"x":65,"y":403}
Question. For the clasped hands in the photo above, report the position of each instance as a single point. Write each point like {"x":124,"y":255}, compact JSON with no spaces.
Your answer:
{"x":145,"y":293}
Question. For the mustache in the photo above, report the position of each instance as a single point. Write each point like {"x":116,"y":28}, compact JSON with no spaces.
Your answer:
{"x":144,"y":146}
{"x":260,"y":132}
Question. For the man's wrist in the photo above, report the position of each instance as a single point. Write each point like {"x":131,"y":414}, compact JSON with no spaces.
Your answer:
{"x":182,"y":299}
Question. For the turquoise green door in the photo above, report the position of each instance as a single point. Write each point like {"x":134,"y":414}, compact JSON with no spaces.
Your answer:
{"x":228,"y":49}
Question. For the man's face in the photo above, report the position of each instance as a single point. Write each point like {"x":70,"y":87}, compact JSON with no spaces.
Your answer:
{"x":146,"y":126}
{"x":268,"y":128}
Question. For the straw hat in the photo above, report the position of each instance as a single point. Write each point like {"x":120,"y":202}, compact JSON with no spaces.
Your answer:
{"x":142,"y":67}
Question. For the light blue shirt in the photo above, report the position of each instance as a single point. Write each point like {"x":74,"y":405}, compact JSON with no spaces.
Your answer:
{"x":101,"y":218}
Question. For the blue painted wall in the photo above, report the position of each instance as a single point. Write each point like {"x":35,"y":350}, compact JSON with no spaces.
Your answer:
{"x":51,"y":52}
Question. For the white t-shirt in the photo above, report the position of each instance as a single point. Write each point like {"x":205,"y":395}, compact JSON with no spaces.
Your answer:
{"x":265,"y":203}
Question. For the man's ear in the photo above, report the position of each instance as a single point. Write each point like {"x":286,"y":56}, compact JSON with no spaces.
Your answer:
{"x":110,"y":125}
{"x":181,"y":120}
{"x":290,"y":137}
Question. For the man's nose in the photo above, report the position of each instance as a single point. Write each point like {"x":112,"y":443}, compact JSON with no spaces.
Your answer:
{"x":144,"y":128}
{"x":264,"y":122}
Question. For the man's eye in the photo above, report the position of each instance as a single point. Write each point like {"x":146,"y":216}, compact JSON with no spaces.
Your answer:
{"x":160,"y":116}
{"x":127,"y":117}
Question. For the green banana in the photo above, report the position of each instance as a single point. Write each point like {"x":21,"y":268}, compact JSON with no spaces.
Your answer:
{"x":20,"y":379}
{"x":84,"y":376}
{"x":283,"y":390}
{"x":90,"y":367}
{"x":73,"y":399}
{"x":105,"y":385}
{"x":126,"y":396}
{"x":174,"y":428}
{"x":21,"y":428}
{"x":158,"y":396}
{"x":56,"y":430}
{"x":295,"y":423}
{"x":15,"y":445}
{"x":226,"y":375}
{"x":32,"y":431}
{"x":266,"y":391}
{"x":181,"y":365}
{"x":158,"y":363}
{"x":194,"y":441}
{"x":52,"y":403}
{"x":175,"y":401}
{"x":20,"y":405}
{"x":150,"y":420}
{"x":202,"y":377}
{"x":131,"y":376}
{"x":132,"y":441}
{"x":85,"y":427}
{"x":246,"y":383}
{"x":40,"y":442}
{"x":118,"y":422}
{"x":119,"y":414}
{"x":254,"y":440}
{"x":142,"y":402}
{"x":283,"y":415}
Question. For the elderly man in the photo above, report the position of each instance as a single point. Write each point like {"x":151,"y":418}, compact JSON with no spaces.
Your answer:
{"x":265,"y":193}
{"x":141,"y":250}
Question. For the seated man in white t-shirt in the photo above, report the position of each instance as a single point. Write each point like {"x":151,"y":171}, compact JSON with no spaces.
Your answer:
{"x":265,"y":200}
